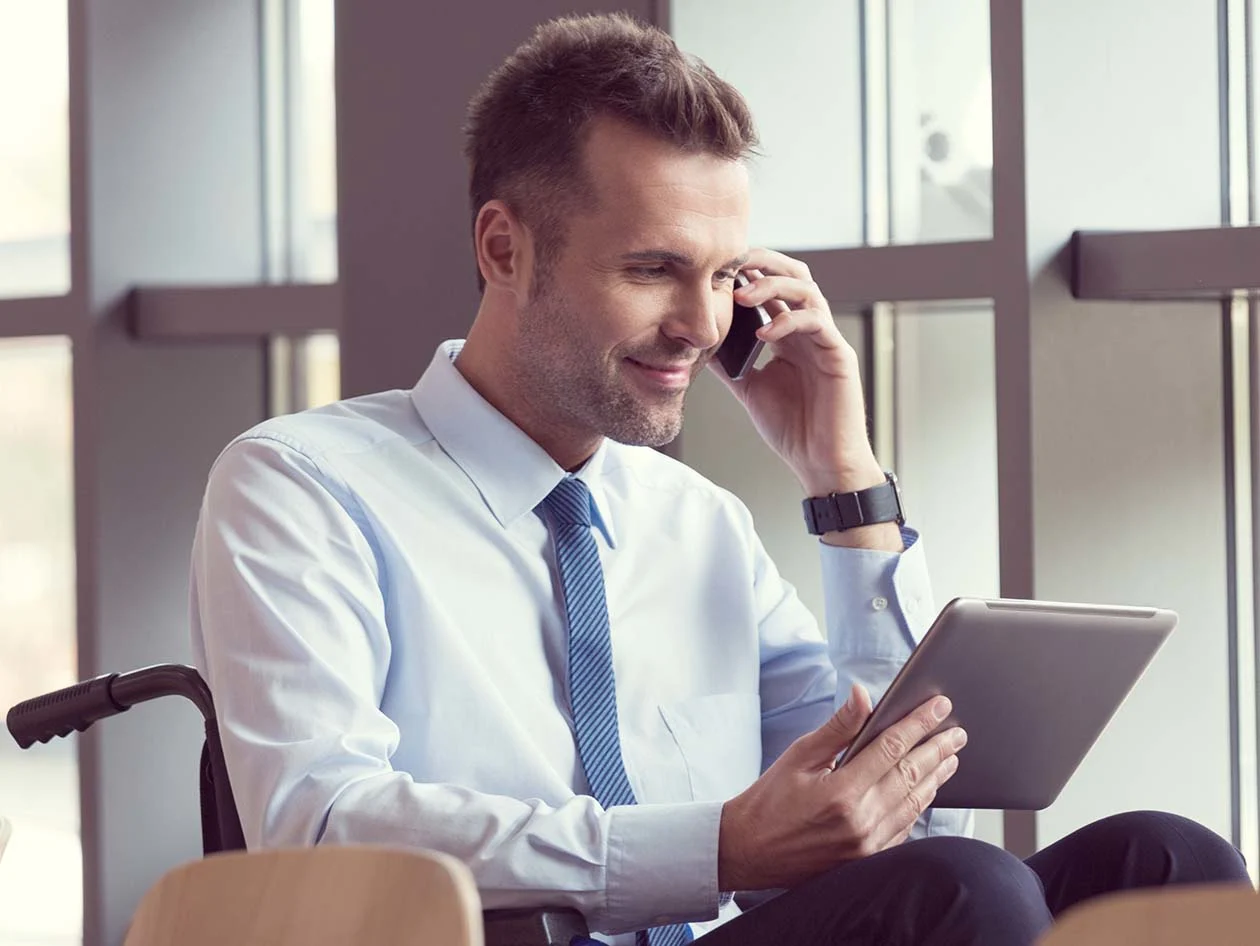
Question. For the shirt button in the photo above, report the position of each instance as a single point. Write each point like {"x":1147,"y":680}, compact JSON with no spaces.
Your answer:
{"x":912,"y":605}
{"x":879,"y":602}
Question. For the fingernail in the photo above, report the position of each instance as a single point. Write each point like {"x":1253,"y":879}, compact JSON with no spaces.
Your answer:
{"x":959,"y":738}
{"x":941,"y":707}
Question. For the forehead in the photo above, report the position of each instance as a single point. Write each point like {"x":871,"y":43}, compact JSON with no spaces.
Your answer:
{"x":647,"y":189}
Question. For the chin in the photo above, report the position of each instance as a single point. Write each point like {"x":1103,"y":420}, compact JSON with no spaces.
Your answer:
{"x":654,"y":431}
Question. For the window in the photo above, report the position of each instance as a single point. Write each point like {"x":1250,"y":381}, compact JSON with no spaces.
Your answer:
{"x":941,"y":121}
{"x":315,"y":156}
{"x":34,"y":149}
{"x":41,"y":873}
{"x":302,"y":188}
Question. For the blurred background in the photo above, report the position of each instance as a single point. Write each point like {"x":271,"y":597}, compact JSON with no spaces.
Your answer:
{"x":212,"y":211}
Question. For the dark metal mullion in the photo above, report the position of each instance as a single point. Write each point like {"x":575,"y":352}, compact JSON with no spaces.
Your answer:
{"x":1253,"y":367}
{"x":50,"y":315}
{"x":908,"y":272}
{"x":1230,"y":444}
{"x":1012,"y":341}
{"x":210,"y":313}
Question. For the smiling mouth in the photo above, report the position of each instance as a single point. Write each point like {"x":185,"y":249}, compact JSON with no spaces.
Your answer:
{"x":676,"y":377}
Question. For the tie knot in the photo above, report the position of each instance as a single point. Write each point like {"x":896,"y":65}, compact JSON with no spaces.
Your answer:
{"x":570,"y":502}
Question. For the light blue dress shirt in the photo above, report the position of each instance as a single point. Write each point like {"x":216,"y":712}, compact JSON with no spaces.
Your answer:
{"x":376,"y":610}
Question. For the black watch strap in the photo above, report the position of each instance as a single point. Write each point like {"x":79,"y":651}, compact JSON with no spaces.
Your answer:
{"x":839,"y":511}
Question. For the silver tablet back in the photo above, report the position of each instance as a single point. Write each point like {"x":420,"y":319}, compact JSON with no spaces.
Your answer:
{"x":1032,"y":682}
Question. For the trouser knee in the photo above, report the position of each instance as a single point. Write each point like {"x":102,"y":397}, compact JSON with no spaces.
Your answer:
{"x":1152,"y":848}
{"x":966,"y":891}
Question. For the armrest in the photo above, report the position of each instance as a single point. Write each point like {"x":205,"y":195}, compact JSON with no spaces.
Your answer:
{"x":533,"y":927}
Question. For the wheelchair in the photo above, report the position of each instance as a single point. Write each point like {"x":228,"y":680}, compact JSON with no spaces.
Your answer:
{"x":77,"y":707}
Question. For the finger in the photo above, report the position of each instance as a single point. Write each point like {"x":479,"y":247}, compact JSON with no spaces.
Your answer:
{"x":820,"y":747}
{"x":871,"y":764}
{"x":914,"y":767}
{"x":902,"y":817}
{"x":772,"y":261}
{"x":802,"y":322}
{"x":792,"y":292}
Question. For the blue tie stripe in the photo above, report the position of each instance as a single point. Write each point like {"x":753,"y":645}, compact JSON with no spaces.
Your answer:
{"x":592,"y":683}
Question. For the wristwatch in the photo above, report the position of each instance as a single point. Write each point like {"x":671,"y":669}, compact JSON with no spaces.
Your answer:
{"x":836,"y":512}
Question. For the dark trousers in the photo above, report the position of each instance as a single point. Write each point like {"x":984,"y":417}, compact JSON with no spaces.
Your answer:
{"x":949,"y":891}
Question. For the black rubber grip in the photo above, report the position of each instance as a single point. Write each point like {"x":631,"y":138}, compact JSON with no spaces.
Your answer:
{"x":63,"y":711}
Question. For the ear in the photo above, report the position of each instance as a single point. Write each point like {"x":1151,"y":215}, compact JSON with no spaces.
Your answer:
{"x":504,"y":247}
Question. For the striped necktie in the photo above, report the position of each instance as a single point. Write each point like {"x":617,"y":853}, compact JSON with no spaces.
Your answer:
{"x":592,"y":686}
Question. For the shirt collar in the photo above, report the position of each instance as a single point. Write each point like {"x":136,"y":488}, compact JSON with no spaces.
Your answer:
{"x":512,"y":472}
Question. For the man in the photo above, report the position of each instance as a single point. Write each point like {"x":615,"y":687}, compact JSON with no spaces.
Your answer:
{"x":484,"y":616}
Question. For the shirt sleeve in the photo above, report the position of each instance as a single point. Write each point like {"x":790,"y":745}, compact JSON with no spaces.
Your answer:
{"x":290,"y":627}
{"x":878,"y":607}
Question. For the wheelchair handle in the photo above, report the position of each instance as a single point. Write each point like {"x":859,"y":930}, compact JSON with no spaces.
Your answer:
{"x":79,"y":706}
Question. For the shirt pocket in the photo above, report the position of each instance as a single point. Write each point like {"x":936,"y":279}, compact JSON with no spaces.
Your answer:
{"x":719,"y":739}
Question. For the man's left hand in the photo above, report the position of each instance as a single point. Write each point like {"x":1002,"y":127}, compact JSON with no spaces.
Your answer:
{"x":807,"y":402}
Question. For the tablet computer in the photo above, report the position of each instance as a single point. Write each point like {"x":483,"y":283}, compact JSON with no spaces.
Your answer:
{"x":1032,"y":682}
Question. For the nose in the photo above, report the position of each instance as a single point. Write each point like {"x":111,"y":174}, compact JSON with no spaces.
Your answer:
{"x":699,"y":318}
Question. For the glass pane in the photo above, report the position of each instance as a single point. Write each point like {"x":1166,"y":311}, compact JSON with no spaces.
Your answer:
{"x":941,"y":126}
{"x":315,"y":223}
{"x":946,"y":419}
{"x":41,"y":873}
{"x":800,"y":72}
{"x":323,"y":370}
{"x":34,"y":149}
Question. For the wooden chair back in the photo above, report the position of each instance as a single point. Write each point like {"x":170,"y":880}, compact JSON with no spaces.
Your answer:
{"x":1169,"y":916}
{"x":320,"y":896}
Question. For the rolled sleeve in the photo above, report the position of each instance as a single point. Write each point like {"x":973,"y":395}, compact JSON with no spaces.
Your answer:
{"x":665,"y":856}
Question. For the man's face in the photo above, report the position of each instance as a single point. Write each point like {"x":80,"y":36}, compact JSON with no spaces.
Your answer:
{"x":639,"y":298}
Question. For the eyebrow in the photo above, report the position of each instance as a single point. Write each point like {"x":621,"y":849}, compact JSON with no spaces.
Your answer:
{"x":678,"y":259}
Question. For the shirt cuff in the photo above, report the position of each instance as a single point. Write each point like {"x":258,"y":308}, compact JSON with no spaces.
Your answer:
{"x":662,"y":865}
{"x":883,"y":598}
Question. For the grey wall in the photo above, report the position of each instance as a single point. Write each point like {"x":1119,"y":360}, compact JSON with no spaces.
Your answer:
{"x":1127,"y":403}
{"x":165,"y":190}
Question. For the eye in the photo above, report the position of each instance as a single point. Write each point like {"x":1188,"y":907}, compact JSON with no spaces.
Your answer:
{"x":724,"y":276}
{"x":649,"y":272}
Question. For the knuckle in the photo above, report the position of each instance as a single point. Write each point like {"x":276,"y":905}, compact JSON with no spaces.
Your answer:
{"x":916,"y":801}
{"x":909,"y":771}
{"x":844,"y":807}
{"x":892,"y":746}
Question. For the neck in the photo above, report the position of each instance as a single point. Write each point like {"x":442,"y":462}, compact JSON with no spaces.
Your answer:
{"x":486,"y":363}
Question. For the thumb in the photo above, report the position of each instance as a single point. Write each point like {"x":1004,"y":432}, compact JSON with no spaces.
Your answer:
{"x":821,"y":746}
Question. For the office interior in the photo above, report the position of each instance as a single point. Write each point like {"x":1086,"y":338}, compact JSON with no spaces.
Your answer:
{"x":1035,"y":222}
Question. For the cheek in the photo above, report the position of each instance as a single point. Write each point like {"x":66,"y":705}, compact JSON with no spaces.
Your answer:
{"x":635,"y":313}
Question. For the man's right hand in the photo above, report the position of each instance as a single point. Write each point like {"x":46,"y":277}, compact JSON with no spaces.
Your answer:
{"x":804,"y":815}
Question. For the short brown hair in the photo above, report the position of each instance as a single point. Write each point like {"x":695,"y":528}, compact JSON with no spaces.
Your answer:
{"x":527,"y":122}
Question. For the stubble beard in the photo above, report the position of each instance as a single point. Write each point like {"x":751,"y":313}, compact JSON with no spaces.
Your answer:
{"x":576,"y":386}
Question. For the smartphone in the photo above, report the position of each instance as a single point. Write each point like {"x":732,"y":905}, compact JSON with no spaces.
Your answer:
{"x":739,"y":350}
